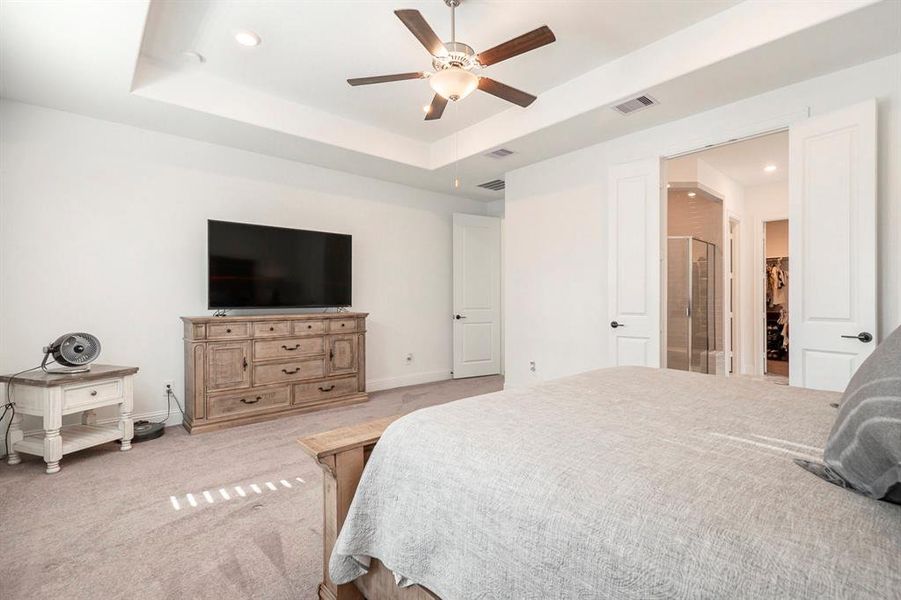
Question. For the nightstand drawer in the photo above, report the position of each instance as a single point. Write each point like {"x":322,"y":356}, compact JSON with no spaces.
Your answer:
{"x":227,"y":331}
{"x":90,"y":394}
{"x":254,"y":400}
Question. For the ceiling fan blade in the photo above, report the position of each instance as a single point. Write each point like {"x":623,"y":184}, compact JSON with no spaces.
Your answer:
{"x":518,"y":45}
{"x":436,"y":108}
{"x":418,"y":26}
{"x":386,"y":78}
{"x":505,"y":92}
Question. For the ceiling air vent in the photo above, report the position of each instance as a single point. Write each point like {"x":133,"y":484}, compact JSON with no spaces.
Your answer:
{"x":500,"y":153}
{"x":634,"y":105}
{"x":496,"y":185}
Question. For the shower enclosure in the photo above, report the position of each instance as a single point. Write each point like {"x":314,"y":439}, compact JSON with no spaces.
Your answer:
{"x":691,"y":304}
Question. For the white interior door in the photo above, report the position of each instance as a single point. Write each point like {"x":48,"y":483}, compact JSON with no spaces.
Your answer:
{"x":477,"y":295}
{"x":634,"y":268}
{"x":832,"y":246}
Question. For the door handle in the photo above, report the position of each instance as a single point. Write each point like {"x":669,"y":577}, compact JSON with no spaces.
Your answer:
{"x":287,"y":372}
{"x":458,"y":317}
{"x":244,"y":363}
{"x":864,"y":336}
{"x":614,"y":324}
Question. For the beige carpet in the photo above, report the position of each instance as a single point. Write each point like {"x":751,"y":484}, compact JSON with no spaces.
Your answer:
{"x":106,"y":527}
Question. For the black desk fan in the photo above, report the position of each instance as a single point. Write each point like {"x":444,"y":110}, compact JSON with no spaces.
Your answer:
{"x":74,"y":351}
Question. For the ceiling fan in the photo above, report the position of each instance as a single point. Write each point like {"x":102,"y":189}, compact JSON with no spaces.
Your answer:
{"x":456,"y":64}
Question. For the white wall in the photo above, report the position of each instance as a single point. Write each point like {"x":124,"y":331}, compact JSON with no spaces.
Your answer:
{"x":555,"y":213}
{"x":103,"y":229}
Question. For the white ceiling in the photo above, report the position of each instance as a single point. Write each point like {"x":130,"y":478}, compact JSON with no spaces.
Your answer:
{"x":84,"y":56}
{"x":744,"y":161}
{"x":310,"y":48}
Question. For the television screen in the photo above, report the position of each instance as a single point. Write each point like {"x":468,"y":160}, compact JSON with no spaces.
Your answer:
{"x":255,"y":266}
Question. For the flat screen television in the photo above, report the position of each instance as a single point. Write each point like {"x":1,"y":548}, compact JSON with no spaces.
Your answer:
{"x":256,"y":266}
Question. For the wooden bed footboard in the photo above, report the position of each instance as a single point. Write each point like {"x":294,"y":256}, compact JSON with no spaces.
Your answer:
{"x":343,"y":453}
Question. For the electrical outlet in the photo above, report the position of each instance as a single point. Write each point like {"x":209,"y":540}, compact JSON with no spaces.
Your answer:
{"x":168,"y":384}
{"x":409,"y":358}
{"x":532,"y":366}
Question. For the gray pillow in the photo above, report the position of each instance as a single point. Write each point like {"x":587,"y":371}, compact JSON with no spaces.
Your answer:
{"x":864,"y":447}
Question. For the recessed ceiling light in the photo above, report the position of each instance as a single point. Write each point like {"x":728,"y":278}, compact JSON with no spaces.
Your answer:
{"x":691,"y":194}
{"x":247,"y":38}
{"x":427,"y":108}
{"x":769,"y":168}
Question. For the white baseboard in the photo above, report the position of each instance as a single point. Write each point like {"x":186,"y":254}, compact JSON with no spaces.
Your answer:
{"x":375,"y":385}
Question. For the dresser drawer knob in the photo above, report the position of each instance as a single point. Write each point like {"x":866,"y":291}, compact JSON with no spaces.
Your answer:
{"x":287,"y":372}
{"x":246,"y":401}
{"x":309,"y":327}
{"x":296,"y":346}
{"x":228,"y":330}
{"x":327,"y":389}
{"x":272,"y":329}
{"x":343,"y":324}
{"x":93,"y":392}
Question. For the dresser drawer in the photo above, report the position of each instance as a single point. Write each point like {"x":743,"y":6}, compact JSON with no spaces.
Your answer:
{"x":226,"y":331}
{"x":271,"y":328}
{"x":288,"y":371}
{"x":314,"y":391}
{"x":226,"y":405}
{"x":92,"y":393}
{"x":287,"y":348}
{"x":342,"y":325}
{"x":309,"y":327}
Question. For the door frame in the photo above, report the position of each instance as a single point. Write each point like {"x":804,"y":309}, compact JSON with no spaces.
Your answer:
{"x":760,"y":288}
{"x":777,"y":124}
{"x":732,"y":329}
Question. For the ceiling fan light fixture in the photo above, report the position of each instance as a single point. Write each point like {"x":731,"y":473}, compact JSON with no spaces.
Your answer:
{"x":453,"y":83}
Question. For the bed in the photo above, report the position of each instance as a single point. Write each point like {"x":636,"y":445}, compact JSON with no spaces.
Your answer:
{"x":617,"y":483}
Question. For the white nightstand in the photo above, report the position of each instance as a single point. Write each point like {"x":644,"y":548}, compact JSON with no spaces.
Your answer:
{"x":52,"y":396}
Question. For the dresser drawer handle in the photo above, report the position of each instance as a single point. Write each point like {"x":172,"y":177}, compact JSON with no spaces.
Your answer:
{"x":328,"y":389}
{"x":93,"y":392}
{"x":286,"y":372}
{"x":296,"y":346}
{"x":228,"y":331}
{"x":343,"y":324}
{"x":246,"y":401}
{"x":272,"y":329}
{"x":309,"y":327}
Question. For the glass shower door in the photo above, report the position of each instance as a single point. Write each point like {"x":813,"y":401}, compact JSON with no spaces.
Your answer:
{"x":691,"y":305}
{"x":678,"y":317}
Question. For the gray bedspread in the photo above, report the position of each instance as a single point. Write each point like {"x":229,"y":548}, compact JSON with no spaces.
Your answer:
{"x":620,"y":483}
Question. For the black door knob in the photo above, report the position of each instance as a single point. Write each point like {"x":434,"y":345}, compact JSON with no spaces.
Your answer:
{"x":614,"y":324}
{"x":864,"y":336}
{"x":458,"y":317}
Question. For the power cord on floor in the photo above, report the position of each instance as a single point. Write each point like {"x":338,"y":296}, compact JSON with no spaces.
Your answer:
{"x":11,"y":406}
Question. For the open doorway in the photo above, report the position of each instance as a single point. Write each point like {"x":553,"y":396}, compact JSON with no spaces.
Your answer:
{"x":719,"y":203}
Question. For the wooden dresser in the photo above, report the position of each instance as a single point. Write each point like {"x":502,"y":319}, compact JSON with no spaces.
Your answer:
{"x":253,"y":368}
